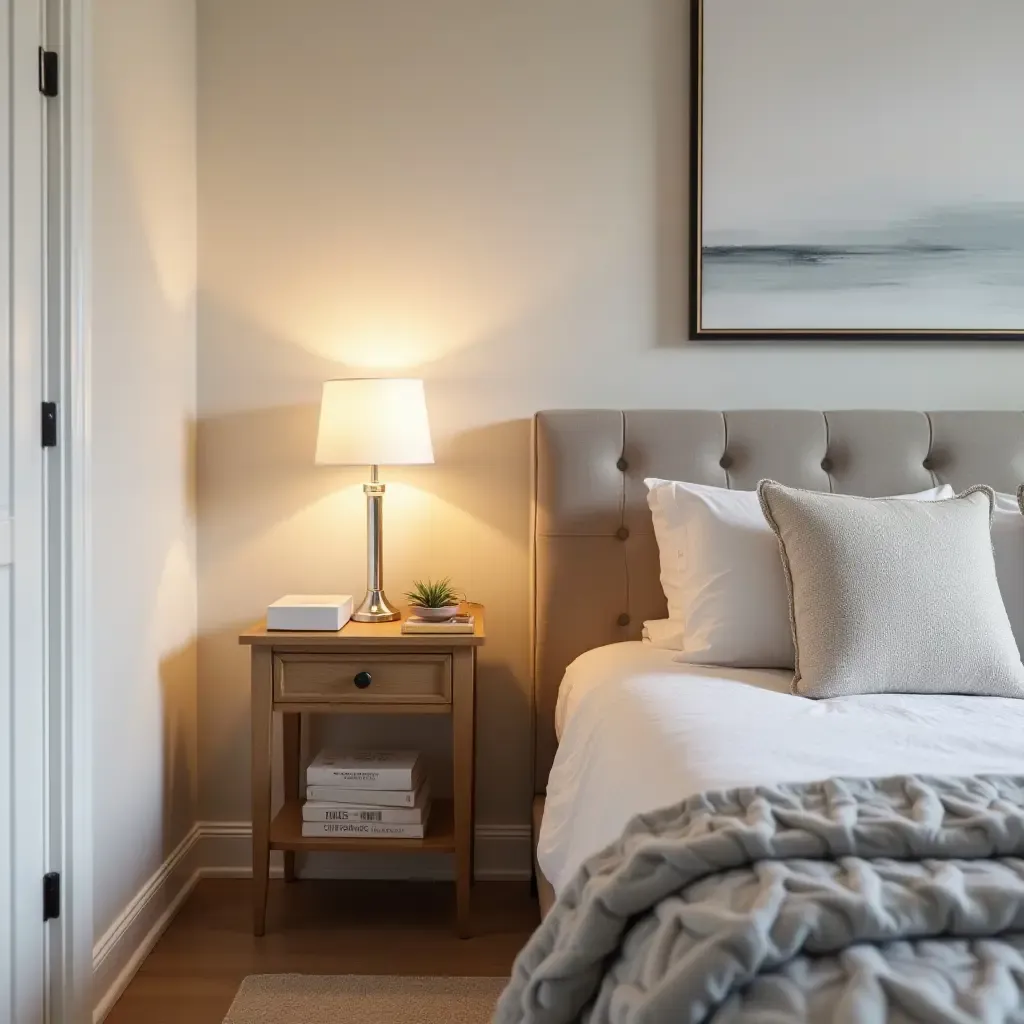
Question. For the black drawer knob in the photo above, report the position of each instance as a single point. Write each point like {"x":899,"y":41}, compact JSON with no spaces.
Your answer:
{"x":362,"y":680}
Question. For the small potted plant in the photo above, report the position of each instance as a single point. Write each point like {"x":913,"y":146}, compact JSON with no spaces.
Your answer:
{"x":434,"y":601}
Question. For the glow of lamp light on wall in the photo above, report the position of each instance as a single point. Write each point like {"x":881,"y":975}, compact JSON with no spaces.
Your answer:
{"x":392,"y":352}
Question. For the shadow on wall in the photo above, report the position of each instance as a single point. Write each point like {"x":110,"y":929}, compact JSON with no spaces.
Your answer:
{"x":190,"y":487}
{"x":181,"y":771}
{"x":671,"y":104}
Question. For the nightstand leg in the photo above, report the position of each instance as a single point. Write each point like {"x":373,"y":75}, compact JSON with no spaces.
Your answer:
{"x":472,"y":794}
{"x":292,"y":738}
{"x":463,"y":697}
{"x":262,"y":719}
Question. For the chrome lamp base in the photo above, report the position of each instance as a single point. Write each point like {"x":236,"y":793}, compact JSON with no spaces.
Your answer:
{"x":375,"y":608}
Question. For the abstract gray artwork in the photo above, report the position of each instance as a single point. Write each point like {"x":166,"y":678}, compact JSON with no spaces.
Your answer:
{"x":858,"y":169}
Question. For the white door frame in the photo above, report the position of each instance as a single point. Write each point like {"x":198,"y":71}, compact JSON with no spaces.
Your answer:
{"x":25,"y":739}
{"x":45,"y":744}
{"x":68,"y":494}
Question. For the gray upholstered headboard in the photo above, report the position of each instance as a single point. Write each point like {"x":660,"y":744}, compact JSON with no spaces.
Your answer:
{"x":595,"y":561}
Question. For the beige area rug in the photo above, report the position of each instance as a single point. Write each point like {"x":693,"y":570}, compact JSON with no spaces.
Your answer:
{"x":348,"y":999}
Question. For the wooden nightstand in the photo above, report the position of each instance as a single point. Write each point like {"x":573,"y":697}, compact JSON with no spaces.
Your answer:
{"x":302,"y":673}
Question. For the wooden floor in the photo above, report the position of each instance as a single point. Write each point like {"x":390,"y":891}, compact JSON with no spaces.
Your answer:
{"x":320,"y":928}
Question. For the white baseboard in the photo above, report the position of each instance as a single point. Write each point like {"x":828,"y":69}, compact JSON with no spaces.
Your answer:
{"x":119,"y":953}
{"x":223,"y":849}
{"x":223,"y":846}
{"x":504,"y":853}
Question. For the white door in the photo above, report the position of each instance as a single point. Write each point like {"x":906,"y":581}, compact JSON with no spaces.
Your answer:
{"x":22,"y":664}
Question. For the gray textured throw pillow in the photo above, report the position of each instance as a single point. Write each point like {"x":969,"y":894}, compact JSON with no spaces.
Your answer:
{"x":893,"y":596}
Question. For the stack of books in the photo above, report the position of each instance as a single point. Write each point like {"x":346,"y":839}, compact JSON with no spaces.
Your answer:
{"x":366,"y":794}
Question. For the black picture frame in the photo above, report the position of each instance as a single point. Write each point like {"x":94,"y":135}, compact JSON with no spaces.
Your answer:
{"x":698,"y":330}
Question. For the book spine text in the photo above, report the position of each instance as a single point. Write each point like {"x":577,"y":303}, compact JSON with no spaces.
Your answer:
{"x":390,"y":815}
{"x":357,"y":830}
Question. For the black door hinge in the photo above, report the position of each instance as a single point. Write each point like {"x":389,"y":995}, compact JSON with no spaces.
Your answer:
{"x":51,"y":896}
{"x":49,"y":72}
{"x":49,"y":424}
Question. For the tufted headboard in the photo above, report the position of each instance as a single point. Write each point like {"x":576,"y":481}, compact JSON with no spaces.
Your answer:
{"x":595,"y":561}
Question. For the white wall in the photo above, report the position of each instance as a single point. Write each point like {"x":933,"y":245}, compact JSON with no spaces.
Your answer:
{"x":491,"y":195}
{"x":144,"y":601}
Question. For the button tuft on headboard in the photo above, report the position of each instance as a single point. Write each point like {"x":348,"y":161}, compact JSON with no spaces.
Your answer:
{"x":622,"y":465}
{"x":826,"y":465}
{"x":726,"y":461}
{"x":622,"y":533}
{"x":624,"y":619}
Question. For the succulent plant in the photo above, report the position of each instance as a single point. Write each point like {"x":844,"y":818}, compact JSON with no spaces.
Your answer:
{"x":433,"y":594}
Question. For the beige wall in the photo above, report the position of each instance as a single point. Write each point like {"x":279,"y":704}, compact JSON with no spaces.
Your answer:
{"x":492,"y":196}
{"x":143,"y":411}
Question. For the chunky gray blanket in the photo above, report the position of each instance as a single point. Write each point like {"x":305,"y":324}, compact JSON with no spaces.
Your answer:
{"x":852,"y":900}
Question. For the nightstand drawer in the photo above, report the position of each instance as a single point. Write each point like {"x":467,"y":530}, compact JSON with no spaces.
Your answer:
{"x":363,"y":679}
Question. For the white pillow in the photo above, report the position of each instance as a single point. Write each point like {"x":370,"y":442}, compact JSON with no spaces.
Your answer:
{"x":1008,"y":549}
{"x":722,"y":576}
{"x":891,"y":596}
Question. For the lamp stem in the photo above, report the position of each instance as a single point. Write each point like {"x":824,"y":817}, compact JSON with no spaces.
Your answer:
{"x":375,"y":607}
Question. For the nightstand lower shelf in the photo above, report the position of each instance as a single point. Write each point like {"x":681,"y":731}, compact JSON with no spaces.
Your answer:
{"x":286,"y":834}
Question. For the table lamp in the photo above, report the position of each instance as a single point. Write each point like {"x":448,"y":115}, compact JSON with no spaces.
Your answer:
{"x":374,"y":422}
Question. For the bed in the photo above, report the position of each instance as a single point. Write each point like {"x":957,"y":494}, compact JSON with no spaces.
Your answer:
{"x":632,"y":737}
{"x":722,"y":849}
{"x":641,"y":732}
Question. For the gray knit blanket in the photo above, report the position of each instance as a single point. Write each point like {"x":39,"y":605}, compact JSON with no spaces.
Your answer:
{"x":852,"y":900}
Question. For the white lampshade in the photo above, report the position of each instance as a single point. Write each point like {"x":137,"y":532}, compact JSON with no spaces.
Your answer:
{"x":374,"y":422}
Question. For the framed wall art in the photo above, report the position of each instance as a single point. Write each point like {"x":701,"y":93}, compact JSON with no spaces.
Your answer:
{"x":857,"y":170}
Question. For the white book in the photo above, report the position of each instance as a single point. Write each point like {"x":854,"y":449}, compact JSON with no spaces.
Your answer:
{"x":361,"y":830}
{"x":366,"y":769}
{"x":363,"y":797}
{"x":324,"y":810}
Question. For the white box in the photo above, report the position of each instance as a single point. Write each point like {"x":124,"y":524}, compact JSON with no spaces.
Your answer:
{"x":310,"y":612}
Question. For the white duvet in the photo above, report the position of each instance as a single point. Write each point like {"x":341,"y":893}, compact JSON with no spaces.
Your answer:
{"x":639,"y":731}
